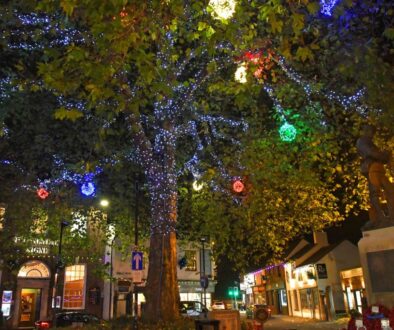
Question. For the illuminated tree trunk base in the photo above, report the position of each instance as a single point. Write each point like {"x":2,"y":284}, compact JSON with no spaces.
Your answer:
{"x":162,"y":293}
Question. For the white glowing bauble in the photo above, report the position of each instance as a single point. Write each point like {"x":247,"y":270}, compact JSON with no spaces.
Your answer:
{"x":240,"y":74}
{"x":197,"y":186}
{"x":222,"y":9}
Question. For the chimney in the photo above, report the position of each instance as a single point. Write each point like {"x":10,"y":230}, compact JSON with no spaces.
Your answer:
{"x":320,"y":238}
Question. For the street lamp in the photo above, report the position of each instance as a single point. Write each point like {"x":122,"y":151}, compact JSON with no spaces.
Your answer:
{"x":136,"y":216}
{"x":203,"y":277}
{"x":59,"y":265}
{"x":105,"y":203}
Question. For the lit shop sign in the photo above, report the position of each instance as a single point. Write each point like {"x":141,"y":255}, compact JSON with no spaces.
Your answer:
{"x":6,"y":303}
{"x":36,"y":246}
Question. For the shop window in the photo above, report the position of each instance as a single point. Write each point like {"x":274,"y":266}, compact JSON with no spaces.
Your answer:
{"x":283,"y":297}
{"x":74,"y":287}
{"x":191,"y":260}
{"x":206,"y":262}
{"x":295,"y":300}
{"x":305,"y":299}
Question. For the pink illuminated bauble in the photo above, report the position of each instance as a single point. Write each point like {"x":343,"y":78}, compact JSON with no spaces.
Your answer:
{"x":42,"y":193}
{"x":238,"y":186}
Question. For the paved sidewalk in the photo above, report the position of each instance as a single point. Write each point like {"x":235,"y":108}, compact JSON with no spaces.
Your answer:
{"x":284,"y":322}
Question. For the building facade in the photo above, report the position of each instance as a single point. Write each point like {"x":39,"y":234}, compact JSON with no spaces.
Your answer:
{"x":314,"y":284}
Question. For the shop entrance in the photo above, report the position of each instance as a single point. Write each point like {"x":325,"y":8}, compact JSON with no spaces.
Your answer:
{"x":30,"y":305}
{"x":32,"y":293}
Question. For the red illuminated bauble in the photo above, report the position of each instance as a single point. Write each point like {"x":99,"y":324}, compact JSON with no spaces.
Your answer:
{"x":42,"y":193}
{"x":238,"y":186}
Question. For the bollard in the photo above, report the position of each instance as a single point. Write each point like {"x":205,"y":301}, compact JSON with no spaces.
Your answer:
{"x":257,"y":325}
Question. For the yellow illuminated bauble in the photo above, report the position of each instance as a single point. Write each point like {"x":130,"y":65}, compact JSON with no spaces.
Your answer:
{"x":222,"y":9}
{"x":240,"y":74}
{"x":197,"y":186}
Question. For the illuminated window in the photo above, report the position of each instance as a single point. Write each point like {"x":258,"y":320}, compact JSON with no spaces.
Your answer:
{"x":74,"y":287}
{"x":191,"y":260}
{"x":34,"y":269}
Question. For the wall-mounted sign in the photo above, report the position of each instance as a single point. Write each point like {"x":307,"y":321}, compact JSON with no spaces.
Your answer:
{"x":7,"y":297}
{"x":36,"y":246}
{"x":6,"y":301}
{"x":321,"y":271}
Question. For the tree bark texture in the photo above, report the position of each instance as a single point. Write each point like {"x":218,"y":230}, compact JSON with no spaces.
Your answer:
{"x":161,"y":292}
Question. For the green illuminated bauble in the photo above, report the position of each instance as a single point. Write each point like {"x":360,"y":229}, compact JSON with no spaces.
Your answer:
{"x":287,"y":132}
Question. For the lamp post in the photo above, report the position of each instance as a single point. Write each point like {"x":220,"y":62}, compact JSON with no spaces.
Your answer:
{"x":105,"y":203}
{"x":110,"y":281}
{"x":203,"y":239}
{"x":136,"y":216}
{"x":59,"y":265}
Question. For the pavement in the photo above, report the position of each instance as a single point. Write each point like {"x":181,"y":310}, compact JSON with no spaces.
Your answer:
{"x":285,"y":322}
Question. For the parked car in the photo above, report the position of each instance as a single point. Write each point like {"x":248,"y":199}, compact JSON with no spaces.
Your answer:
{"x":193,"y":309}
{"x":218,"y":305}
{"x":67,"y":319}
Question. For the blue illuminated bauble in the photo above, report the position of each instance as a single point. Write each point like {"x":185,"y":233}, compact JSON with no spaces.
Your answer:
{"x":327,"y":6}
{"x":88,"y":188}
{"x":287,"y":132}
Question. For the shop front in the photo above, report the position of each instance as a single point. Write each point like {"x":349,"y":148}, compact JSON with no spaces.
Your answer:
{"x":259,"y":288}
{"x":353,"y":287}
{"x":31,"y":294}
{"x":303,"y":292}
{"x":192,"y":291}
{"x":276,"y":289}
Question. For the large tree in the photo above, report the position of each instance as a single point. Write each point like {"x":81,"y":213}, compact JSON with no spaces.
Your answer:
{"x":168,"y":68}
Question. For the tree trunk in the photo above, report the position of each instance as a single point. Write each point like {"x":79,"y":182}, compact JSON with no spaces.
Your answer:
{"x":161,"y":292}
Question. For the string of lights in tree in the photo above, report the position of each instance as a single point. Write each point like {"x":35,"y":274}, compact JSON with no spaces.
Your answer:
{"x":287,"y":131}
{"x":347,"y":102}
{"x":261,"y":64}
{"x":157,"y":155}
{"x":225,"y":9}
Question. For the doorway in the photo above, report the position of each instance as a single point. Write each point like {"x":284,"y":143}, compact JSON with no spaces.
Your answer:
{"x":30,"y":306}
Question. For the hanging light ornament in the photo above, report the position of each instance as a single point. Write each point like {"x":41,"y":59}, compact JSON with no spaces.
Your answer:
{"x":240,"y":73}
{"x":287,"y":132}
{"x":42,"y":193}
{"x":222,"y":9}
{"x":197,"y":186}
{"x":88,"y":188}
{"x":238,"y":186}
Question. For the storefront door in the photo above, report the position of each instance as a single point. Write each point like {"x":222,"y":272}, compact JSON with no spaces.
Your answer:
{"x":30,"y":303}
